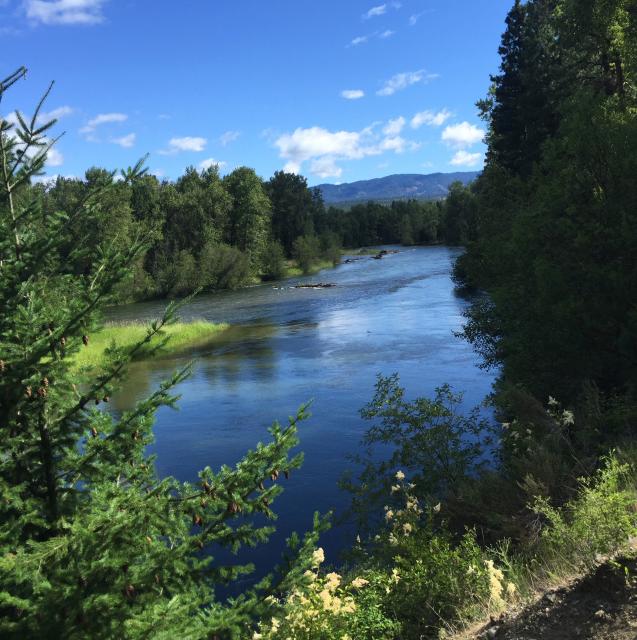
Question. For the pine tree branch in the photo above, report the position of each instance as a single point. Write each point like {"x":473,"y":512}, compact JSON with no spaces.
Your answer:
{"x":7,"y":186}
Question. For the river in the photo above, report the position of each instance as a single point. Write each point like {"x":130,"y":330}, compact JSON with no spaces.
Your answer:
{"x":288,"y":346}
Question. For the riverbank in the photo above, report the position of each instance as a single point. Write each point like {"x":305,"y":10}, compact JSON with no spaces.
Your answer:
{"x":182,"y":336}
{"x":292,"y":270}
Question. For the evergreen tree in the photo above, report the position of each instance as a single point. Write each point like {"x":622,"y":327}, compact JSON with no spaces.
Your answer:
{"x":92,"y":543}
{"x":554,"y":244}
{"x":292,"y":208}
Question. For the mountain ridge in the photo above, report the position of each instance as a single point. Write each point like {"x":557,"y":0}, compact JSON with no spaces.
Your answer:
{"x":395,"y":187}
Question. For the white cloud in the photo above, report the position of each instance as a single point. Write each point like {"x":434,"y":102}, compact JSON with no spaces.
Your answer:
{"x":403,"y":80}
{"x":55,"y":114}
{"x":394,"y":127}
{"x":188,"y":143}
{"x":463,"y":158}
{"x":326,"y":168}
{"x":54,"y":158}
{"x":430,"y":118}
{"x":398,"y":144}
{"x":64,"y":11}
{"x":211,"y":162}
{"x":352,"y":94}
{"x":304,"y":144}
{"x":387,"y":34}
{"x":125,"y":141}
{"x":228,"y":137}
{"x":103,"y":118}
{"x":413,"y":20}
{"x":325,"y":148}
{"x":375,"y":11}
{"x":462,"y":135}
{"x":359,"y":40}
{"x":48,"y":181}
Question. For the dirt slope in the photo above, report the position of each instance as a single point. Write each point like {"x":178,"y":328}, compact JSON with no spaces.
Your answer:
{"x":599,"y":606}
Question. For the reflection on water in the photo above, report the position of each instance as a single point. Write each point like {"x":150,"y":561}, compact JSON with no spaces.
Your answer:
{"x":288,"y":346}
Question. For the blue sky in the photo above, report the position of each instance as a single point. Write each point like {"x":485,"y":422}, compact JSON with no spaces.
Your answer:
{"x":335,"y":90}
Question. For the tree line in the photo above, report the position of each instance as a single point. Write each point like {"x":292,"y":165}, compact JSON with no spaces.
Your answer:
{"x":205,"y":231}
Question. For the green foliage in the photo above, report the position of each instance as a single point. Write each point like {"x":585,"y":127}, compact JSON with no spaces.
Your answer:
{"x":555,"y":207}
{"x":250,"y":213}
{"x":306,"y":250}
{"x":600,"y":520}
{"x":223,"y":267}
{"x":330,"y":247}
{"x":440,"y":448}
{"x":92,"y":543}
{"x":273,"y":261}
{"x":458,"y":221}
{"x":293,"y":208}
{"x":410,"y":562}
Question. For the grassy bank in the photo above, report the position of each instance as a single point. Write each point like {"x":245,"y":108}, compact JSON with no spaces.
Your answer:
{"x":292,"y":270}
{"x":182,"y":336}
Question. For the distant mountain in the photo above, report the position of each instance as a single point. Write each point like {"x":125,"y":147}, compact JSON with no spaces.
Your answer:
{"x":397,"y":187}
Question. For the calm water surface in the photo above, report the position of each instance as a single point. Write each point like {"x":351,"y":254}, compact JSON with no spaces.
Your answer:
{"x":288,"y":346}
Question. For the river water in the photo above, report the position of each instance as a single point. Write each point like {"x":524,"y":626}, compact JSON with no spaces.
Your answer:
{"x":288,"y":346}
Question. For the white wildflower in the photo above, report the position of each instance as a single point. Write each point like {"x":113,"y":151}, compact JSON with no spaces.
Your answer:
{"x":318,"y":557}
{"x":568,"y":417}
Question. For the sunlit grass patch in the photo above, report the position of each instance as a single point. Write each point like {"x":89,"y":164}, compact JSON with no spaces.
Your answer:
{"x":292,"y":269}
{"x":183,"y":336}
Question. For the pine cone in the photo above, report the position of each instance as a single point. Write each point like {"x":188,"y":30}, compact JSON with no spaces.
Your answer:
{"x":63,"y":341}
{"x":29,"y":392}
{"x":105,"y":398}
{"x":94,"y":432}
{"x":130,"y":591}
{"x":286,"y":473}
{"x":261,"y":486}
{"x":274,"y":475}
{"x":85,"y":340}
{"x":2,"y":366}
{"x":196,"y":519}
{"x":233,"y":507}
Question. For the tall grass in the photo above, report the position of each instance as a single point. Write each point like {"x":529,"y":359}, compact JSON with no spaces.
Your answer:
{"x":182,"y":336}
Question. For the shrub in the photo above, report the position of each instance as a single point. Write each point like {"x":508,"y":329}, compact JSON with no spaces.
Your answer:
{"x":223,"y":267}
{"x":305,"y":250}
{"x":599,"y":520}
{"x":273,"y":261}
